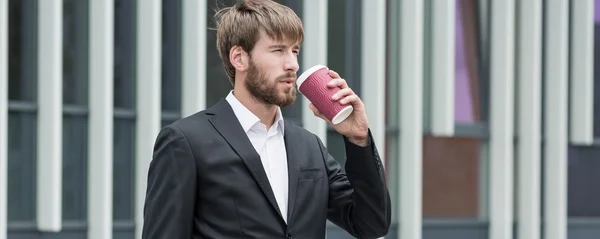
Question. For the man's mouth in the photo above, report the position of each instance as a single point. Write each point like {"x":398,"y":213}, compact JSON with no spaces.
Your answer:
{"x":288,"y":81}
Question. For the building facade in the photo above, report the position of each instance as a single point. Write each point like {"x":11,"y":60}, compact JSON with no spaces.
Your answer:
{"x":488,"y":111}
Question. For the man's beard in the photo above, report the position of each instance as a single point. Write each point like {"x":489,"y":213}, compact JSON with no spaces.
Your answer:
{"x":267,"y":92}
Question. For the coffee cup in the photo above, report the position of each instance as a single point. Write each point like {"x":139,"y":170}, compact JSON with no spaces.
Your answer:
{"x":312,"y":83}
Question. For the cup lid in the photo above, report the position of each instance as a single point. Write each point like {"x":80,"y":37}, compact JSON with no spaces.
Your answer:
{"x":307,"y":73}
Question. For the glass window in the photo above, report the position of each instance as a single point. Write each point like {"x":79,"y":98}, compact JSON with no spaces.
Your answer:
{"x":343,"y":56}
{"x":124,"y":54}
{"x":124,"y":169}
{"x":343,"y":41}
{"x":75,"y":44}
{"x":75,"y":168}
{"x":124,"y":123}
{"x":584,"y":194}
{"x":22,"y":80}
{"x":171,"y":56}
{"x":21,"y":166}
{"x":75,"y":93}
{"x":22,"y":50}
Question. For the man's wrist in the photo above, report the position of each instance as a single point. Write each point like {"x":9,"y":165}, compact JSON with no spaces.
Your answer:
{"x":360,"y":141}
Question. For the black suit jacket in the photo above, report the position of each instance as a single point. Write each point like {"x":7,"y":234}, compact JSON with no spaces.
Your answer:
{"x":207,"y":181}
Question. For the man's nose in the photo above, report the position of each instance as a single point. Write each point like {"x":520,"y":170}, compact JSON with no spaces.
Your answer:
{"x":291,"y":64}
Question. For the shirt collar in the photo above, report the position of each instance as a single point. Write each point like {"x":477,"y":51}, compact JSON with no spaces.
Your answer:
{"x":248,"y":119}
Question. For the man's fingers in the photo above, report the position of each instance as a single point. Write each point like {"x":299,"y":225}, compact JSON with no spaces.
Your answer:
{"x":351,"y":99}
{"x":334,"y":74}
{"x":338,"y":82}
{"x":342,"y":93}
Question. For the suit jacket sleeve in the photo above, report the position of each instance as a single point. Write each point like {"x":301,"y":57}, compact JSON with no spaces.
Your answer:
{"x":171,"y":190}
{"x":359,"y":201}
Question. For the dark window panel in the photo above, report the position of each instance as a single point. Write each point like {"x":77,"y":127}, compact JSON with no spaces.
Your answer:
{"x":344,"y":57}
{"x":344,"y":41}
{"x":583,"y":164}
{"x":217,"y":82}
{"x":75,"y":174}
{"x":171,"y":55}
{"x":124,"y":169}
{"x":21,"y":167}
{"x":75,"y":52}
{"x":22,"y":50}
{"x":584,"y":194}
{"x":124,"y":54}
{"x":335,"y":146}
{"x":124,"y":98}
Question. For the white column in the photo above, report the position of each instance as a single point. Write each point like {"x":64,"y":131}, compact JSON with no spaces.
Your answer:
{"x":373,"y":67}
{"x":194,"y":57}
{"x":556,"y":53}
{"x":529,"y":111}
{"x":443,"y":31}
{"x":582,"y":72}
{"x":100,"y":144}
{"x":3,"y":115}
{"x":411,"y":119}
{"x":314,"y":51}
{"x":501,"y":119}
{"x":148,"y":107}
{"x":49,"y":139}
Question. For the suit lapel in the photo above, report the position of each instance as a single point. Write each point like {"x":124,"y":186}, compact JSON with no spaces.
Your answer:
{"x":293,"y":156}
{"x":227,"y":124}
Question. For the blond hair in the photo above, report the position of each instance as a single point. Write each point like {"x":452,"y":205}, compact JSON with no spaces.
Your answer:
{"x":240,"y":25}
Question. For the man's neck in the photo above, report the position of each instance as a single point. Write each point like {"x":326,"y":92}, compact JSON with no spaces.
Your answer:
{"x":266,"y":113}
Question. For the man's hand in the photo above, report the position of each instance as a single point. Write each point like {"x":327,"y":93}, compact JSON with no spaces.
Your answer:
{"x":356,"y":126}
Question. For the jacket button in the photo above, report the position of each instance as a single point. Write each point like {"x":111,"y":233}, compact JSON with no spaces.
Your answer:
{"x":290,"y":236}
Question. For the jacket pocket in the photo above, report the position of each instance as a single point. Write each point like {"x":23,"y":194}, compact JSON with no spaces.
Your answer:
{"x":310,"y":174}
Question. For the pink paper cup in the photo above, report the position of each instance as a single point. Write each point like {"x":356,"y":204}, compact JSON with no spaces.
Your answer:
{"x":313,"y":85}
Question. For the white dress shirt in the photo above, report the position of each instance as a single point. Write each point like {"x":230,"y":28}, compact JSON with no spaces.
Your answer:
{"x":269,"y":144}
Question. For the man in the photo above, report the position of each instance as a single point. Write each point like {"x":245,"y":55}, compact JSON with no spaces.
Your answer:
{"x":239,"y":170}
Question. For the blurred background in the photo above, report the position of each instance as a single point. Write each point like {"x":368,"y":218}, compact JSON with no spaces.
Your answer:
{"x":487,"y":111}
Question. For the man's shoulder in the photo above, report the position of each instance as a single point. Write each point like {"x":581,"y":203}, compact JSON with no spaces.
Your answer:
{"x":196,"y":121}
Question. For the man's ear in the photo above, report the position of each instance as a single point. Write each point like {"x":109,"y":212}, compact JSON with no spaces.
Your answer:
{"x":238,"y":58}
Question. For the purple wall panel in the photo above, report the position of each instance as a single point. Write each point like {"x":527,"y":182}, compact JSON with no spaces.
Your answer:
{"x":597,"y":11}
{"x":463,"y":101}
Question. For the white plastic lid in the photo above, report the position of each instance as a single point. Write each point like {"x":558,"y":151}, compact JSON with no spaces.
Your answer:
{"x":307,"y":73}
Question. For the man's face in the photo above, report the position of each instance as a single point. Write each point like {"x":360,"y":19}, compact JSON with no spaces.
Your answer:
{"x":271,"y":76}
